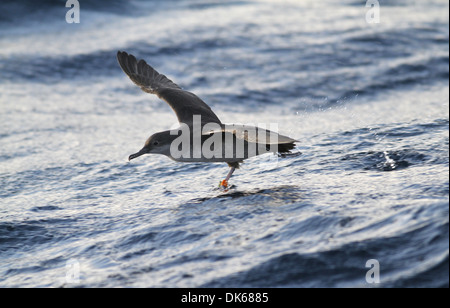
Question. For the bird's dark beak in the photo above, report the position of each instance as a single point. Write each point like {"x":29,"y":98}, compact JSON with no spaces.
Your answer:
{"x":141,"y":152}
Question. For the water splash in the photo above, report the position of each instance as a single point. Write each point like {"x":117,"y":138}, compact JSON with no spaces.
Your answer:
{"x":389,"y":164}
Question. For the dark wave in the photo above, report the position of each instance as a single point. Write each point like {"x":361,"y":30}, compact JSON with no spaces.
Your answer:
{"x":363,"y":76}
{"x":26,"y":235}
{"x":345,"y":266}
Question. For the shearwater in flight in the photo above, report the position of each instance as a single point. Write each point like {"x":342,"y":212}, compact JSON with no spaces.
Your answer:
{"x":203,"y":138}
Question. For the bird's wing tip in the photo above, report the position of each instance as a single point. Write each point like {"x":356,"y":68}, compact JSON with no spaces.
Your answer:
{"x":120,"y":53}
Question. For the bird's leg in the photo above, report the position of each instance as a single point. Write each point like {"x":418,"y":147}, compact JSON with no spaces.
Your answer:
{"x":224,"y":183}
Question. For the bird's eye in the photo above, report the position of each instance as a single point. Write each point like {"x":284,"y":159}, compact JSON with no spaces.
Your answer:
{"x":155,"y":143}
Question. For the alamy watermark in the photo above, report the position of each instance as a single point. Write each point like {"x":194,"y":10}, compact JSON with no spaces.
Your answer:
{"x":373,"y":274}
{"x":373,"y":14}
{"x":72,"y":271}
{"x":229,"y":141}
{"x":73,"y":14}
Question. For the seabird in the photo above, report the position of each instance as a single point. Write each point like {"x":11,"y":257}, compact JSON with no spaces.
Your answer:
{"x":227,"y":143}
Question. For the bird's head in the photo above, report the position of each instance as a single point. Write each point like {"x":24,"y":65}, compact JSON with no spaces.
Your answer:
{"x":158,"y":143}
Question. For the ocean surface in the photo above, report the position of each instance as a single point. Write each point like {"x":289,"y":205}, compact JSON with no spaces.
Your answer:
{"x":367,"y":192}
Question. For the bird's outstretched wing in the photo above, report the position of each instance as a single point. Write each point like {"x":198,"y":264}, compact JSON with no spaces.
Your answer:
{"x":184,"y":103}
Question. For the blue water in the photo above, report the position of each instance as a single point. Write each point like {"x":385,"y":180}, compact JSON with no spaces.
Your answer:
{"x":369,"y":103}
